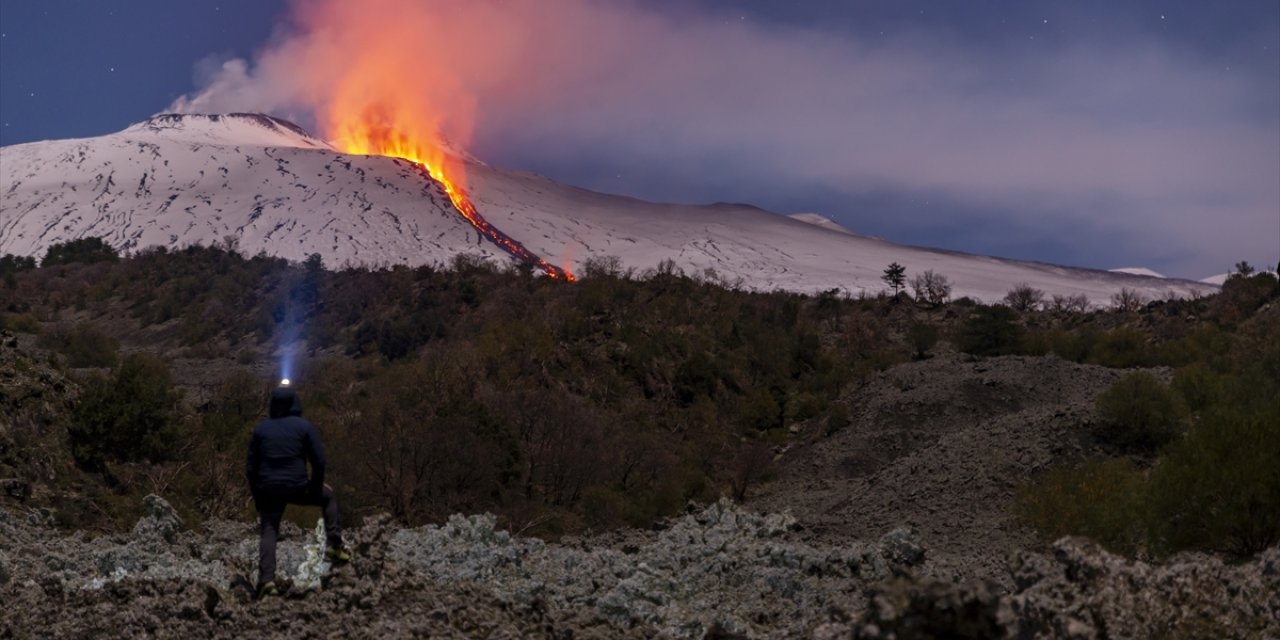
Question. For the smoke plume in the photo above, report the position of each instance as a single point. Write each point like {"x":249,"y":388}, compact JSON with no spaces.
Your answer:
{"x":1127,"y":138}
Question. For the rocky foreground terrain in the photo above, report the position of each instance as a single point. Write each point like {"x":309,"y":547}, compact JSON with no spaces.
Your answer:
{"x":719,"y":572}
{"x":898,"y":525}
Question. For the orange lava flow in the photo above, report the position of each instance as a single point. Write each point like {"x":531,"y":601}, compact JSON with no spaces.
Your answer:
{"x":361,"y":138}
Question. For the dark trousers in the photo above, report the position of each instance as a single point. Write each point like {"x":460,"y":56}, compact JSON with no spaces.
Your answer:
{"x":271,"y":504}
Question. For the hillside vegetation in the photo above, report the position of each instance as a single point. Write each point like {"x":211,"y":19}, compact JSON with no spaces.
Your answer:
{"x":613,"y":401}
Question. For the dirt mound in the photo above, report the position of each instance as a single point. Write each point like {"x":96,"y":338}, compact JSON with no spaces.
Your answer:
{"x":940,"y":445}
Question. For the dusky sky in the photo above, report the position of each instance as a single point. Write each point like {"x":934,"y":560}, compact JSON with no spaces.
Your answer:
{"x":1092,"y":133}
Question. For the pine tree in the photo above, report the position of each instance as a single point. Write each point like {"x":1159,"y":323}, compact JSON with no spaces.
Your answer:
{"x":895,"y":275}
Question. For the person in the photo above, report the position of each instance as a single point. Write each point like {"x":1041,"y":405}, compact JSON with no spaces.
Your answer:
{"x":281,"y":448}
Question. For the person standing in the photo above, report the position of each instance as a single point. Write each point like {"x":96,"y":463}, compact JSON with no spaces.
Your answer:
{"x":280,"y":450}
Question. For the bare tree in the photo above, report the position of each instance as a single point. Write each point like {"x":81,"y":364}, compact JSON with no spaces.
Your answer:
{"x":752,"y":464}
{"x":1024,"y":297}
{"x":1077,"y":303}
{"x":931,"y":287}
{"x":604,"y":267}
{"x":1127,"y":300}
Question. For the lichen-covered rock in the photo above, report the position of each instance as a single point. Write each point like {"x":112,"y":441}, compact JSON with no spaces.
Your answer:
{"x":1085,"y":592}
{"x":918,"y":610}
{"x":902,"y":547}
{"x":722,"y":571}
{"x":161,"y":523}
{"x":723,"y":567}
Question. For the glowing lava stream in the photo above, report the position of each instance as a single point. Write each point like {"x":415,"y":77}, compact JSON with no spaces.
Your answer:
{"x":369,"y":135}
{"x":463,"y":205}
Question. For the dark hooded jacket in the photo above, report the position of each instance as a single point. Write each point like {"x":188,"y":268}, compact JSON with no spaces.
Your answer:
{"x":282,"y":446}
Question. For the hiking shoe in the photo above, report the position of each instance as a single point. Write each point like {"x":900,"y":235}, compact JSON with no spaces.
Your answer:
{"x":268,"y":589}
{"x":337,"y":555}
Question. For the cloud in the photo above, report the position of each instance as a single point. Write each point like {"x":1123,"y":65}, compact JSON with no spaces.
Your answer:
{"x":1125,"y":138}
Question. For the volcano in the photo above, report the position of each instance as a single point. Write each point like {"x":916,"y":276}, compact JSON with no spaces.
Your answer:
{"x":270,"y":186}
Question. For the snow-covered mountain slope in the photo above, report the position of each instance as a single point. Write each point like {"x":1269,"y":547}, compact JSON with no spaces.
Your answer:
{"x":821,"y":221}
{"x":1138,"y":271}
{"x":762,"y":249}
{"x":180,"y":180}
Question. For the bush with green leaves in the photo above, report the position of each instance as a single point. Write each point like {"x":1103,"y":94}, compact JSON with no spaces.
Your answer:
{"x":1075,"y":346}
{"x":990,"y":331}
{"x":1101,"y":499}
{"x":1140,"y":414}
{"x":11,"y":264}
{"x":128,"y":416}
{"x":1242,"y":294}
{"x":1215,"y":488}
{"x":85,"y":250}
{"x":83,"y":344}
{"x":922,"y":338}
{"x":1121,"y":348}
{"x":20,"y":323}
{"x":1219,"y":488}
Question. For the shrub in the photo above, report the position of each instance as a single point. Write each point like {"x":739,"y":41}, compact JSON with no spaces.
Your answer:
{"x":922,"y":338}
{"x":1101,"y":499}
{"x":85,"y":250}
{"x":127,"y":416}
{"x":752,"y":465}
{"x":1036,"y":343}
{"x":604,"y":507}
{"x":1199,"y":386}
{"x":837,"y":417}
{"x":1140,"y":414}
{"x":84,"y":345}
{"x":990,"y":331}
{"x":1242,"y":295}
{"x":11,"y":264}
{"x":1075,"y":346}
{"x":1121,"y":348}
{"x":1024,"y":297}
{"x":1219,"y":488}
{"x":20,"y":322}
{"x":761,"y":410}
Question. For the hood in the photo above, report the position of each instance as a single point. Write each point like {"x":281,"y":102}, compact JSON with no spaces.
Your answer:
{"x":284,"y":402}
